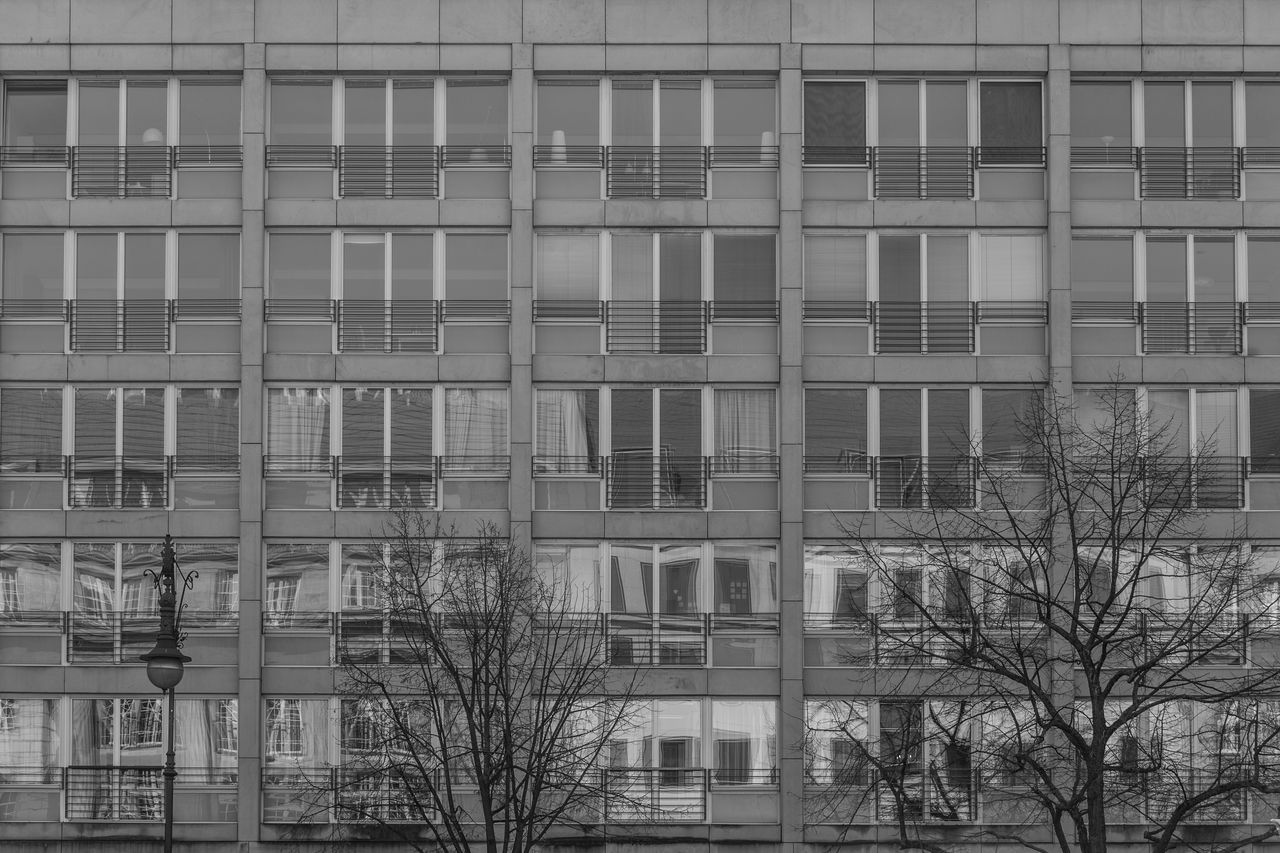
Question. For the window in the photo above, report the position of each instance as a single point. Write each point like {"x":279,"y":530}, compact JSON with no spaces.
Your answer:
{"x":567,"y":430}
{"x":35,"y":139}
{"x":1102,"y":294}
{"x":1010,"y":420}
{"x":745,"y":282}
{"x":1264,"y":430}
{"x":745,"y":430}
{"x":656,"y":447}
{"x":923,"y":294}
{"x":835,"y":123}
{"x":835,"y":431}
{"x":119,"y":448}
{"x":1011,"y":129}
{"x":744,"y":737}
{"x":386,"y":433}
{"x":30,"y":578}
{"x":208,"y":427}
{"x":837,"y":742}
{"x":836,"y":585}
{"x":297,"y":583}
{"x":284,"y":727}
{"x":835,"y":271}
{"x":227,"y":726}
{"x":1106,"y":126}
{"x":1189,"y":132}
{"x":943,"y":475}
{"x":141,"y":723}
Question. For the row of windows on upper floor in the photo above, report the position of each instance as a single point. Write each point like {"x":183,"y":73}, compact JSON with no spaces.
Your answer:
{"x":625,"y":447}
{"x":665,"y":603}
{"x":635,"y":291}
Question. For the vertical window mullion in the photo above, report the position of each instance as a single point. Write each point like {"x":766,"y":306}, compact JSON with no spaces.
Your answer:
{"x":1187,"y":117}
{"x":389,"y":116}
{"x":122,"y":113}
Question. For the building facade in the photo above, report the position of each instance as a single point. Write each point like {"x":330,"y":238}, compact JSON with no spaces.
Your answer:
{"x":675,"y":290}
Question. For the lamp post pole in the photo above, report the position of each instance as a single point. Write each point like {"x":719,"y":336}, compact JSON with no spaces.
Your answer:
{"x":165,"y":664}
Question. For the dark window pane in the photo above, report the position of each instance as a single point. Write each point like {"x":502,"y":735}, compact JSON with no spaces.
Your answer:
{"x":96,"y":271}
{"x":1264,"y":428}
{"x":99,"y":120}
{"x":680,"y":112}
{"x":835,"y":267}
{"x":1215,"y":259}
{"x":899,"y":113}
{"x":835,"y":113}
{"x":1165,"y":110}
{"x":900,"y":422}
{"x":208,"y":422}
{"x":301,"y":113}
{"x":745,"y":269}
{"x":1211,"y":114}
{"x":947,"y":113}
{"x":680,"y":267}
{"x":412,"y":272}
{"x":900,"y":269}
{"x":365,"y":113}
{"x":1166,"y":269}
{"x":33,"y":266}
{"x":632,"y":112}
{"x":1011,"y":115}
{"x":146,"y":108}
{"x":208,"y":266}
{"x":30,"y":428}
{"x":299,"y":266}
{"x":1262,"y":114}
{"x":475,"y":266}
{"x":411,"y":422}
{"x":143,"y":424}
{"x":412,"y":112}
{"x":144,"y":266}
{"x":362,"y":419}
{"x":477,"y":112}
{"x":744,"y":112}
{"x":835,"y":423}
{"x":1005,"y":412}
{"x":1264,"y":269}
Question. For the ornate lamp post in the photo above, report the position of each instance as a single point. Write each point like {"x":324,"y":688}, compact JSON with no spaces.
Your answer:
{"x":166,"y":660}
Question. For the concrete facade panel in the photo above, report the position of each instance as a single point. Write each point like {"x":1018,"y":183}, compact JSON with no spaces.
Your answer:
{"x":384,"y":57}
{"x":926,"y":22}
{"x":225,"y":21}
{"x":296,"y":21}
{"x":844,"y":58}
{"x":655,"y":21}
{"x":653,"y":57}
{"x":1191,"y":60}
{"x":568,"y":57}
{"x":37,"y":21}
{"x":208,"y":57}
{"x":479,"y":21}
{"x":125,"y":21}
{"x":1192,"y":21}
{"x":1016,"y":22}
{"x":906,"y":58}
{"x":121,"y":57}
{"x":568,"y":21}
{"x":818,"y":21}
{"x":1100,"y":21}
{"x":389,"y":21}
{"x":302,"y":57}
{"x":751,"y":21}
{"x":756,"y":58}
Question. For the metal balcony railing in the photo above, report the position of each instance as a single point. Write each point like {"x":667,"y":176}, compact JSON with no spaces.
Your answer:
{"x":858,"y":156}
{"x":118,"y":482}
{"x":120,"y":637}
{"x":641,"y":794}
{"x":847,"y":462}
{"x":668,"y":327}
{"x":1189,"y":173}
{"x":391,"y":171}
{"x":378,"y":795}
{"x":923,"y":172}
{"x":924,"y":327}
{"x":44,"y":156}
{"x":128,"y":171}
{"x":568,"y":466}
{"x":205,"y":157}
{"x":302,"y":156}
{"x":110,"y":325}
{"x":587,"y":310}
{"x":400,"y":325}
{"x":1205,"y":482}
{"x":475,"y":156}
{"x":916,"y":482}
{"x":744,"y":156}
{"x":568,"y":157}
{"x":1097,"y":312}
{"x":667,"y":171}
{"x":892,"y":640}
{"x":1195,"y":328}
{"x":1021,"y":313}
{"x":386,"y":482}
{"x":820,"y":310}
{"x":111,"y":793}
{"x":645,"y":479}
{"x":1104,"y":156}
{"x":301,"y":310}
{"x":737,"y":310}
{"x":1011,"y":155}
{"x":1155,"y":790}
{"x":656,"y":639}
{"x":475,"y":311}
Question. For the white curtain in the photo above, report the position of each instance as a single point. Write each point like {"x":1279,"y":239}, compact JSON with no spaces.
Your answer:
{"x":297,"y":422}
{"x":475,"y":422}
{"x":1013,"y":268}
{"x":745,"y":422}
{"x":565,"y":424}
{"x":753,"y":721}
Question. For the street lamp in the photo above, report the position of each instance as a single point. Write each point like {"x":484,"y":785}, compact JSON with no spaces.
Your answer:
{"x":166,"y":660}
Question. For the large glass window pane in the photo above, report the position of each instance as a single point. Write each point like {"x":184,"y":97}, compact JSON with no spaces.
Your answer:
{"x":412,"y":112}
{"x":1166,"y":269}
{"x":1102,"y":117}
{"x":142,"y":424}
{"x":900,"y":422}
{"x":835,"y":268}
{"x":1011,"y":115}
{"x":218,"y":565}
{"x":900,"y":269}
{"x":1262,"y":114}
{"x":33,"y":266}
{"x":899,"y":113}
{"x":35,"y":114}
{"x":745,"y":268}
{"x":567,"y":423}
{"x":30,"y":578}
{"x":633,"y":112}
{"x":475,"y":266}
{"x":208,"y":425}
{"x":412,"y":268}
{"x":948,"y":269}
{"x":835,"y":582}
{"x":301,"y":112}
{"x":477,"y":112}
{"x":1264,"y":269}
{"x":299,"y":266}
{"x":208,"y":266}
{"x":209,"y":113}
{"x":631,"y":579}
{"x":633,"y":267}
{"x":746,"y":579}
{"x":31,"y":429}
{"x":947,"y":113}
{"x":365,"y":112}
{"x":835,"y":113}
{"x":99,"y":118}
{"x":680,"y":424}
{"x":572,"y":572}
{"x":297,"y":580}
{"x":95,"y":429}
{"x":746,"y":423}
{"x":96,"y":272}
{"x":1215,"y":260}
{"x":744,"y":113}
{"x":411,"y":423}
{"x":1006,"y":415}
{"x":144,"y":266}
{"x":680,"y":112}
{"x":1013,"y":267}
{"x":475,"y":422}
{"x":363,"y":267}
{"x":744,"y":738}
{"x":1211,"y":122}
{"x":680,"y":267}
{"x":296,"y":732}
{"x":568,"y":112}
{"x":146,"y":108}
{"x":297,"y":422}
{"x":1216,"y":423}
{"x":835,"y":427}
{"x":1165,"y":111}
{"x":1102,"y":269}
{"x":631,"y":421}
{"x":569,"y":266}
{"x":948,"y":423}
{"x":362,"y":422}
{"x":1264,"y":429}
{"x":679,"y":578}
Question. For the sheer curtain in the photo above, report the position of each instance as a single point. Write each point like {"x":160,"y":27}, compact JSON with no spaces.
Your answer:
{"x":475,"y":423}
{"x":745,"y":737}
{"x":567,"y":427}
{"x":298,"y":424}
{"x":745,"y":424}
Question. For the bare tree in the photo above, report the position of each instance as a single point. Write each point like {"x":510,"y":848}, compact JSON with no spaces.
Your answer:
{"x":1074,"y":643}
{"x":479,"y":713}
